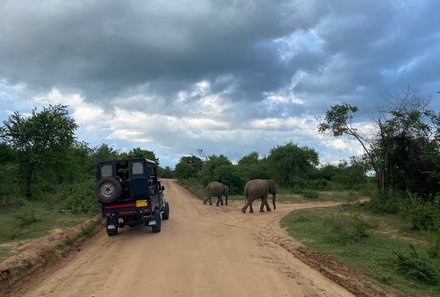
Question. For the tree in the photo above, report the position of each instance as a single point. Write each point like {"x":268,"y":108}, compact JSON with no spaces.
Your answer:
{"x":290,"y":161}
{"x":404,"y":149}
{"x":219,"y":168}
{"x":41,"y":140}
{"x":188,"y":167}
{"x":252,"y":167}
{"x":140,"y":153}
{"x":104,"y":153}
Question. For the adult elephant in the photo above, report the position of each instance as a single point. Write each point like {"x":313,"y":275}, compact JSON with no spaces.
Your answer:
{"x":217,"y":189}
{"x":259,"y":189}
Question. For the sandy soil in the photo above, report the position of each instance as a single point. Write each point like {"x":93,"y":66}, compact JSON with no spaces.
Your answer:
{"x":204,"y":251}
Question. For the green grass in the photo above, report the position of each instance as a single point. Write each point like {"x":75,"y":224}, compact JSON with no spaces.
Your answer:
{"x":31,"y":221}
{"x":368,"y":241}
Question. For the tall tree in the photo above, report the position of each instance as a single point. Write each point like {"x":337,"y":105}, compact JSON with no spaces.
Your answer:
{"x":188,"y":167}
{"x":140,"y":153}
{"x":41,"y":140}
{"x":290,"y":161}
{"x":405,"y":147}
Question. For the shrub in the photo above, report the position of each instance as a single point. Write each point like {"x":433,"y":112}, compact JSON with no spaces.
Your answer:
{"x":80,"y":198}
{"x":424,"y":215}
{"x":387,"y":205}
{"x":415,"y":267}
{"x":310,"y":194}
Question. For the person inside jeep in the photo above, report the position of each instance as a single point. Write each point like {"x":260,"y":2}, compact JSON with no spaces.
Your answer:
{"x":120,"y":177}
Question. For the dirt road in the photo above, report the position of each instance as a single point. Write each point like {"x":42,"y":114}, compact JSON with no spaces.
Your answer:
{"x":202,"y":251}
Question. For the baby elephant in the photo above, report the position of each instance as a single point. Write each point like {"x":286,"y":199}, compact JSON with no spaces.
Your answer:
{"x":257,"y":189}
{"x":217,"y":189}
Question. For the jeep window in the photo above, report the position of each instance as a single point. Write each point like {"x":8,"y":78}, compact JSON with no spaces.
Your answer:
{"x":106,"y":171}
{"x":137,"y":168}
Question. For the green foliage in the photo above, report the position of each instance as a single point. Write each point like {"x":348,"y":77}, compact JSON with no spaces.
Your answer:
{"x":11,"y":194}
{"x":219,"y":168}
{"x":344,"y":176}
{"x":380,"y":204}
{"x":290,"y":161}
{"x":41,"y":141}
{"x":404,"y":150}
{"x":79,"y":197}
{"x":416,"y":267}
{"x":338,"y":119}
{"x":424,"y":215}
{"x":252,"y":167}
{"x":104,"y":153}
{"x":188,"y":167}
{"x":140,"y":153}
{"x":371,"y":251}
{"x":166,"y":172}
{"x":310,"y":194}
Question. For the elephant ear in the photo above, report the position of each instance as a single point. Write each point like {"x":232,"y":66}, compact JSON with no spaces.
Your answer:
{"x":272,"y":186}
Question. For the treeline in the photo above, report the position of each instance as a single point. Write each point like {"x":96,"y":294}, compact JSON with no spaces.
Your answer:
{"x":294,"y":168}
{"x":41,"y":160}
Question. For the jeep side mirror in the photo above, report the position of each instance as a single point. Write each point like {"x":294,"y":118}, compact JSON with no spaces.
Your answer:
{"x":163,"y":188}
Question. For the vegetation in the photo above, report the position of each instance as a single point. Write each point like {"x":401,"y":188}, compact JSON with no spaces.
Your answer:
{"x":47,"y":179}
{"x":46,"y":176}
{"x":384,"y":247}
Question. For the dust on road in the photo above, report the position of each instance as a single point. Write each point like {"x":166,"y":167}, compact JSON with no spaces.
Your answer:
{"x":202,"y":250}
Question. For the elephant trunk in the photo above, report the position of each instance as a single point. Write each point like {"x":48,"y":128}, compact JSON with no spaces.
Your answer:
{"x":273,"y":201}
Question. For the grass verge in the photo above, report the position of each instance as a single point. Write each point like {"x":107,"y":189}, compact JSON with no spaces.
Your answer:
{"x":377,"y":244}
{"x":33,"y":220}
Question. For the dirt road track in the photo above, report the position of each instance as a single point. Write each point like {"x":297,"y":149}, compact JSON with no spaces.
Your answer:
{"x":202,"y":251}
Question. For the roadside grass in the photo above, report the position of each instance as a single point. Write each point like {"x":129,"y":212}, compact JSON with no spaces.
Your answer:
{"x":33,"y":220}
{"x":382,"y":246}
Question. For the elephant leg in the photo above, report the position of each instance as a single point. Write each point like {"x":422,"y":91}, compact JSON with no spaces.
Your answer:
{"x":250,"y":207}
{"x":206,"y":200}
{"x":219,"y":200}
{"x":262,"y":206}
{"x":246,"y":204}
{"x":267,"y":205}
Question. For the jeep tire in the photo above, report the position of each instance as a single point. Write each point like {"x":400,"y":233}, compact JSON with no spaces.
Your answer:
{"x":166,"y":211}
{"x":112,"y":232}
{"x":156,"y":228}
{"x":108,"y":190}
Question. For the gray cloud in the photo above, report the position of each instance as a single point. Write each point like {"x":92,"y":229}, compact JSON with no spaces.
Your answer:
{"x":235,"y":63}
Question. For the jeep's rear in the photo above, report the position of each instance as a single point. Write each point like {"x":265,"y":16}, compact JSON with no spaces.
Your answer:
{"x":130,"y":194}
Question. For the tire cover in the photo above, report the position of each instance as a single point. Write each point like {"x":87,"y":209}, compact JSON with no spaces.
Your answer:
{"x":108,"y":190}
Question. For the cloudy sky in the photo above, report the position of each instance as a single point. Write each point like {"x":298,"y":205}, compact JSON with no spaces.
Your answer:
{"x":228,"y":77}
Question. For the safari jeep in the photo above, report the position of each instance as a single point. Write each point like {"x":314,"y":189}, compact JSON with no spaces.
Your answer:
{"x":130,"y":193}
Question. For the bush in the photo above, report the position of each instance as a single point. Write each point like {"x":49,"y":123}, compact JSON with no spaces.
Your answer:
{"x":348,"y":229}
{"x":310,"y":194}
{"x":424,"y":215}
{"x":387,"y":205}
{"x":80,"y":198}
{"x":415,"y":267}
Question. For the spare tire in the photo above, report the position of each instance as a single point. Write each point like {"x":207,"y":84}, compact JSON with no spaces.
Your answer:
{"x":108,"y":190}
